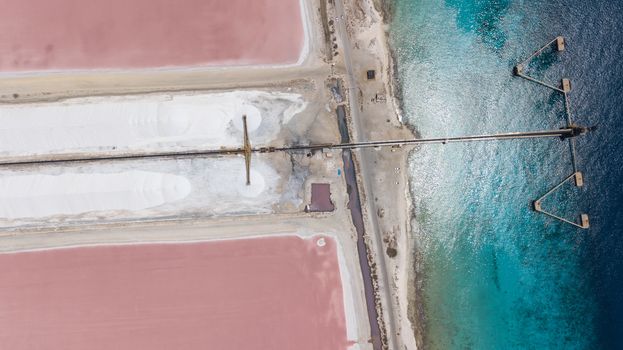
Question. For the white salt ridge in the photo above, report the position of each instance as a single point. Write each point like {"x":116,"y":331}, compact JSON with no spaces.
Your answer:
{"x":144,"y":123}
{"x":38,"y":195}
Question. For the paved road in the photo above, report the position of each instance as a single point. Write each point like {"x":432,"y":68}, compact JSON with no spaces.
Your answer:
{"x":354,"y":204}
{"x":375,"y":233}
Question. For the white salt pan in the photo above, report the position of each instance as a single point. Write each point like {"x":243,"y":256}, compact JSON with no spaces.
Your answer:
{"x":23,"y":196}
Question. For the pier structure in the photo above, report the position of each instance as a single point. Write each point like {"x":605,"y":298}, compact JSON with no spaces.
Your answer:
{"x":564,"y":89}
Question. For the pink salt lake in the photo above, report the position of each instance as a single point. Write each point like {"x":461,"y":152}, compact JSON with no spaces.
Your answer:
{"x":265,"y":293}
{"x":42,"y":35}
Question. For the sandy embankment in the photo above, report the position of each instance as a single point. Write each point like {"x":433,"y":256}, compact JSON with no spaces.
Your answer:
{"x":387,"y":201}
{"x":403,"y":266}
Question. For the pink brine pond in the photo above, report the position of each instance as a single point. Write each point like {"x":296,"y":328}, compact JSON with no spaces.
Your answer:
{"x":41,"y":35}
{"x":265,"y":293}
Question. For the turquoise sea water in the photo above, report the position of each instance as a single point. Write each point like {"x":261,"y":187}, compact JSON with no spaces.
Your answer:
{"x":496,"y":275}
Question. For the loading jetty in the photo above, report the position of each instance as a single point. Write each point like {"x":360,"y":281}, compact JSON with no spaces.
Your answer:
{"x":557,"y":44}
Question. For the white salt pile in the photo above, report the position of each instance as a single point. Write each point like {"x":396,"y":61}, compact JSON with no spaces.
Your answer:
{"x":39,"y":195}
{"x":144,"y":123}
{"x":135,"y":190}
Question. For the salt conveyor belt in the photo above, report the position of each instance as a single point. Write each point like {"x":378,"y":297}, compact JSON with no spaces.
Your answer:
{"x":275,"y":293}
{"x":60,"y":35}
{"x":144,"y":123}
